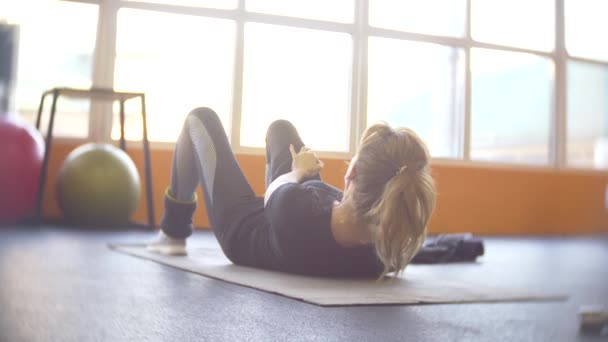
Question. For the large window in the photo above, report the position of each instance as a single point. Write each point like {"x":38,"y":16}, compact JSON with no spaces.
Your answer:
{"x":53,"y":53}
{"x":334,"y":10}
{"x":520,"y":23}
{"x":177,"y":75}
{"x":587,"y":115}
{"x":586,"y":28}
{"x":420,"y":86}
{"x":300,"y":75}
{"x":436,"y":17}
{"x":510,"y":106}
{"x":523,"y":82}
{"x":227,"y":4}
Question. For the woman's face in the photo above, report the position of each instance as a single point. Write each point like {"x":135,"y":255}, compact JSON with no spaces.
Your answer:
{"x":350,"y":173}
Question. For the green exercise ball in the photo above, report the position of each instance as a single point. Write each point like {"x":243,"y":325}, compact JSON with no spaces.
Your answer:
{"x":98,"y":185}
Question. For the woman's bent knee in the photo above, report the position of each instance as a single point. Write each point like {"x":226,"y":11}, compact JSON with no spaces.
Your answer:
{"x":204,"y":114}
{"x":281,"y":127}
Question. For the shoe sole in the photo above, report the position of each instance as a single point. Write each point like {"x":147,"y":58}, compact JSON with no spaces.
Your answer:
{"x":168,"y":250}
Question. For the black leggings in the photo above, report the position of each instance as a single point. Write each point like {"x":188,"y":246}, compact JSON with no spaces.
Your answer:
{"x":203,"y":156}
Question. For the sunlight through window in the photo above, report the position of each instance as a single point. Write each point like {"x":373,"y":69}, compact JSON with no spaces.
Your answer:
{"x":586,"y":28}
{"x":300,"y":75}
{"x":519,"y":23}
{"x":335,"y":10}
{"x":437,"y":17}
{"x":223,"y":4}
{"x":511,"y":106}
{"x":53,"y":53}
{"x":181,"y":62}
{"x":420,"y":86}
{"x":587,"y":115}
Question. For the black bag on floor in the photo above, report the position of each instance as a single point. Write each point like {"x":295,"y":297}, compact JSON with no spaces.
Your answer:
{"x":449,"y":248}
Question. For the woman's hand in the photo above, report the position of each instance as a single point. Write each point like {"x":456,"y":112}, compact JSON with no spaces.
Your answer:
{"x":305,"y":163}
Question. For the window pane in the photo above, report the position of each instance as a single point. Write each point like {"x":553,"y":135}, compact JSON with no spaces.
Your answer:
{"x":520,"y":23}
{"x":587,"y":115}
{"x":180,"y":62}
{"x":53,"y":53}
{"x":437,"y":17}
{"x":420,"y":86}
{"x":300,"y":75}
{"x":223,"y":4}
{"x":8,"y":64}
{"x":511,"y":106}
{"x":586,"y":28}
{"x":335,"y":10}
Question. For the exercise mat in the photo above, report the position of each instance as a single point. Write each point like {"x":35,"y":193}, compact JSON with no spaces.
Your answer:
{"x":418,"y":285}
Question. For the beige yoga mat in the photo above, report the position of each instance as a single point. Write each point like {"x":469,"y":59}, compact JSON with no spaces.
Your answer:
{"x":413,"y":287}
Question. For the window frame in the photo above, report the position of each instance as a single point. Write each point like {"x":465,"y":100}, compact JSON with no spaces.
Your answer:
{"x":103,"y":73}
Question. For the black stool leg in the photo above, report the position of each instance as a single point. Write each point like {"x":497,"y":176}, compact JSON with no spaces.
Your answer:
{"x":40,"y":108}
{"x":123,"y":144}
{"x":45,"y":161}
{"x":148,"y":170}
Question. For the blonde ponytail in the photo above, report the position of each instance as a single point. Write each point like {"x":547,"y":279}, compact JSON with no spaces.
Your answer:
{"x":400,"y":217}
{"x":394,"y":193}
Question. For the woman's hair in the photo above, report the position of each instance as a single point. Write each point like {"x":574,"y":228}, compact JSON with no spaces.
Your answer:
{"x":393,"y":192}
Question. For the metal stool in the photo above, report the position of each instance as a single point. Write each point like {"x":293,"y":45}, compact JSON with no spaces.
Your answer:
{"x":95,"y":94}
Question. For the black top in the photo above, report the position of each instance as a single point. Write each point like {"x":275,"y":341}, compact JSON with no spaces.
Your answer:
{"x":300,"y":223}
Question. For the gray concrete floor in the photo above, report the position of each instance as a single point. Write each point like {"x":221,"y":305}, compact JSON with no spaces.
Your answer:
{"x":58,"y":284}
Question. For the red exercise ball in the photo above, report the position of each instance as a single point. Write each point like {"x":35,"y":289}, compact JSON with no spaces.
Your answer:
{"x":21,"y":153}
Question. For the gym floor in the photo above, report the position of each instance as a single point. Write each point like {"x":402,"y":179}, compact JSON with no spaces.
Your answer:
{"x":61,"y":284}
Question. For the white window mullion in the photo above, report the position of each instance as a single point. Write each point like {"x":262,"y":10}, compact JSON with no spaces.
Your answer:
{"x":558,"y":143}
{"x":100,"y":123}
{"x":466,"y":122}
{"x":237,"y":90}
{"x":358,"y":118}
{"x":586,"y":60}
{"x":168,"y":7}
{"x":297,"y":22}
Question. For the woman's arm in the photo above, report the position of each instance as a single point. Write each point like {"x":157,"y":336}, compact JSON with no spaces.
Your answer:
{"x":305,"y":164}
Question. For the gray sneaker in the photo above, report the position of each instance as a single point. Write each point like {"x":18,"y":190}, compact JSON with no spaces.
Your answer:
{"x":166,"y":245}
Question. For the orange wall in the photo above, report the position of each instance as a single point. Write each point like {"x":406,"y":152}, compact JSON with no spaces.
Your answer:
{"x":472,"y":198}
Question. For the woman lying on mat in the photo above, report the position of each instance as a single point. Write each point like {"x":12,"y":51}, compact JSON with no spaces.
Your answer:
{"x":302,"y":225}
